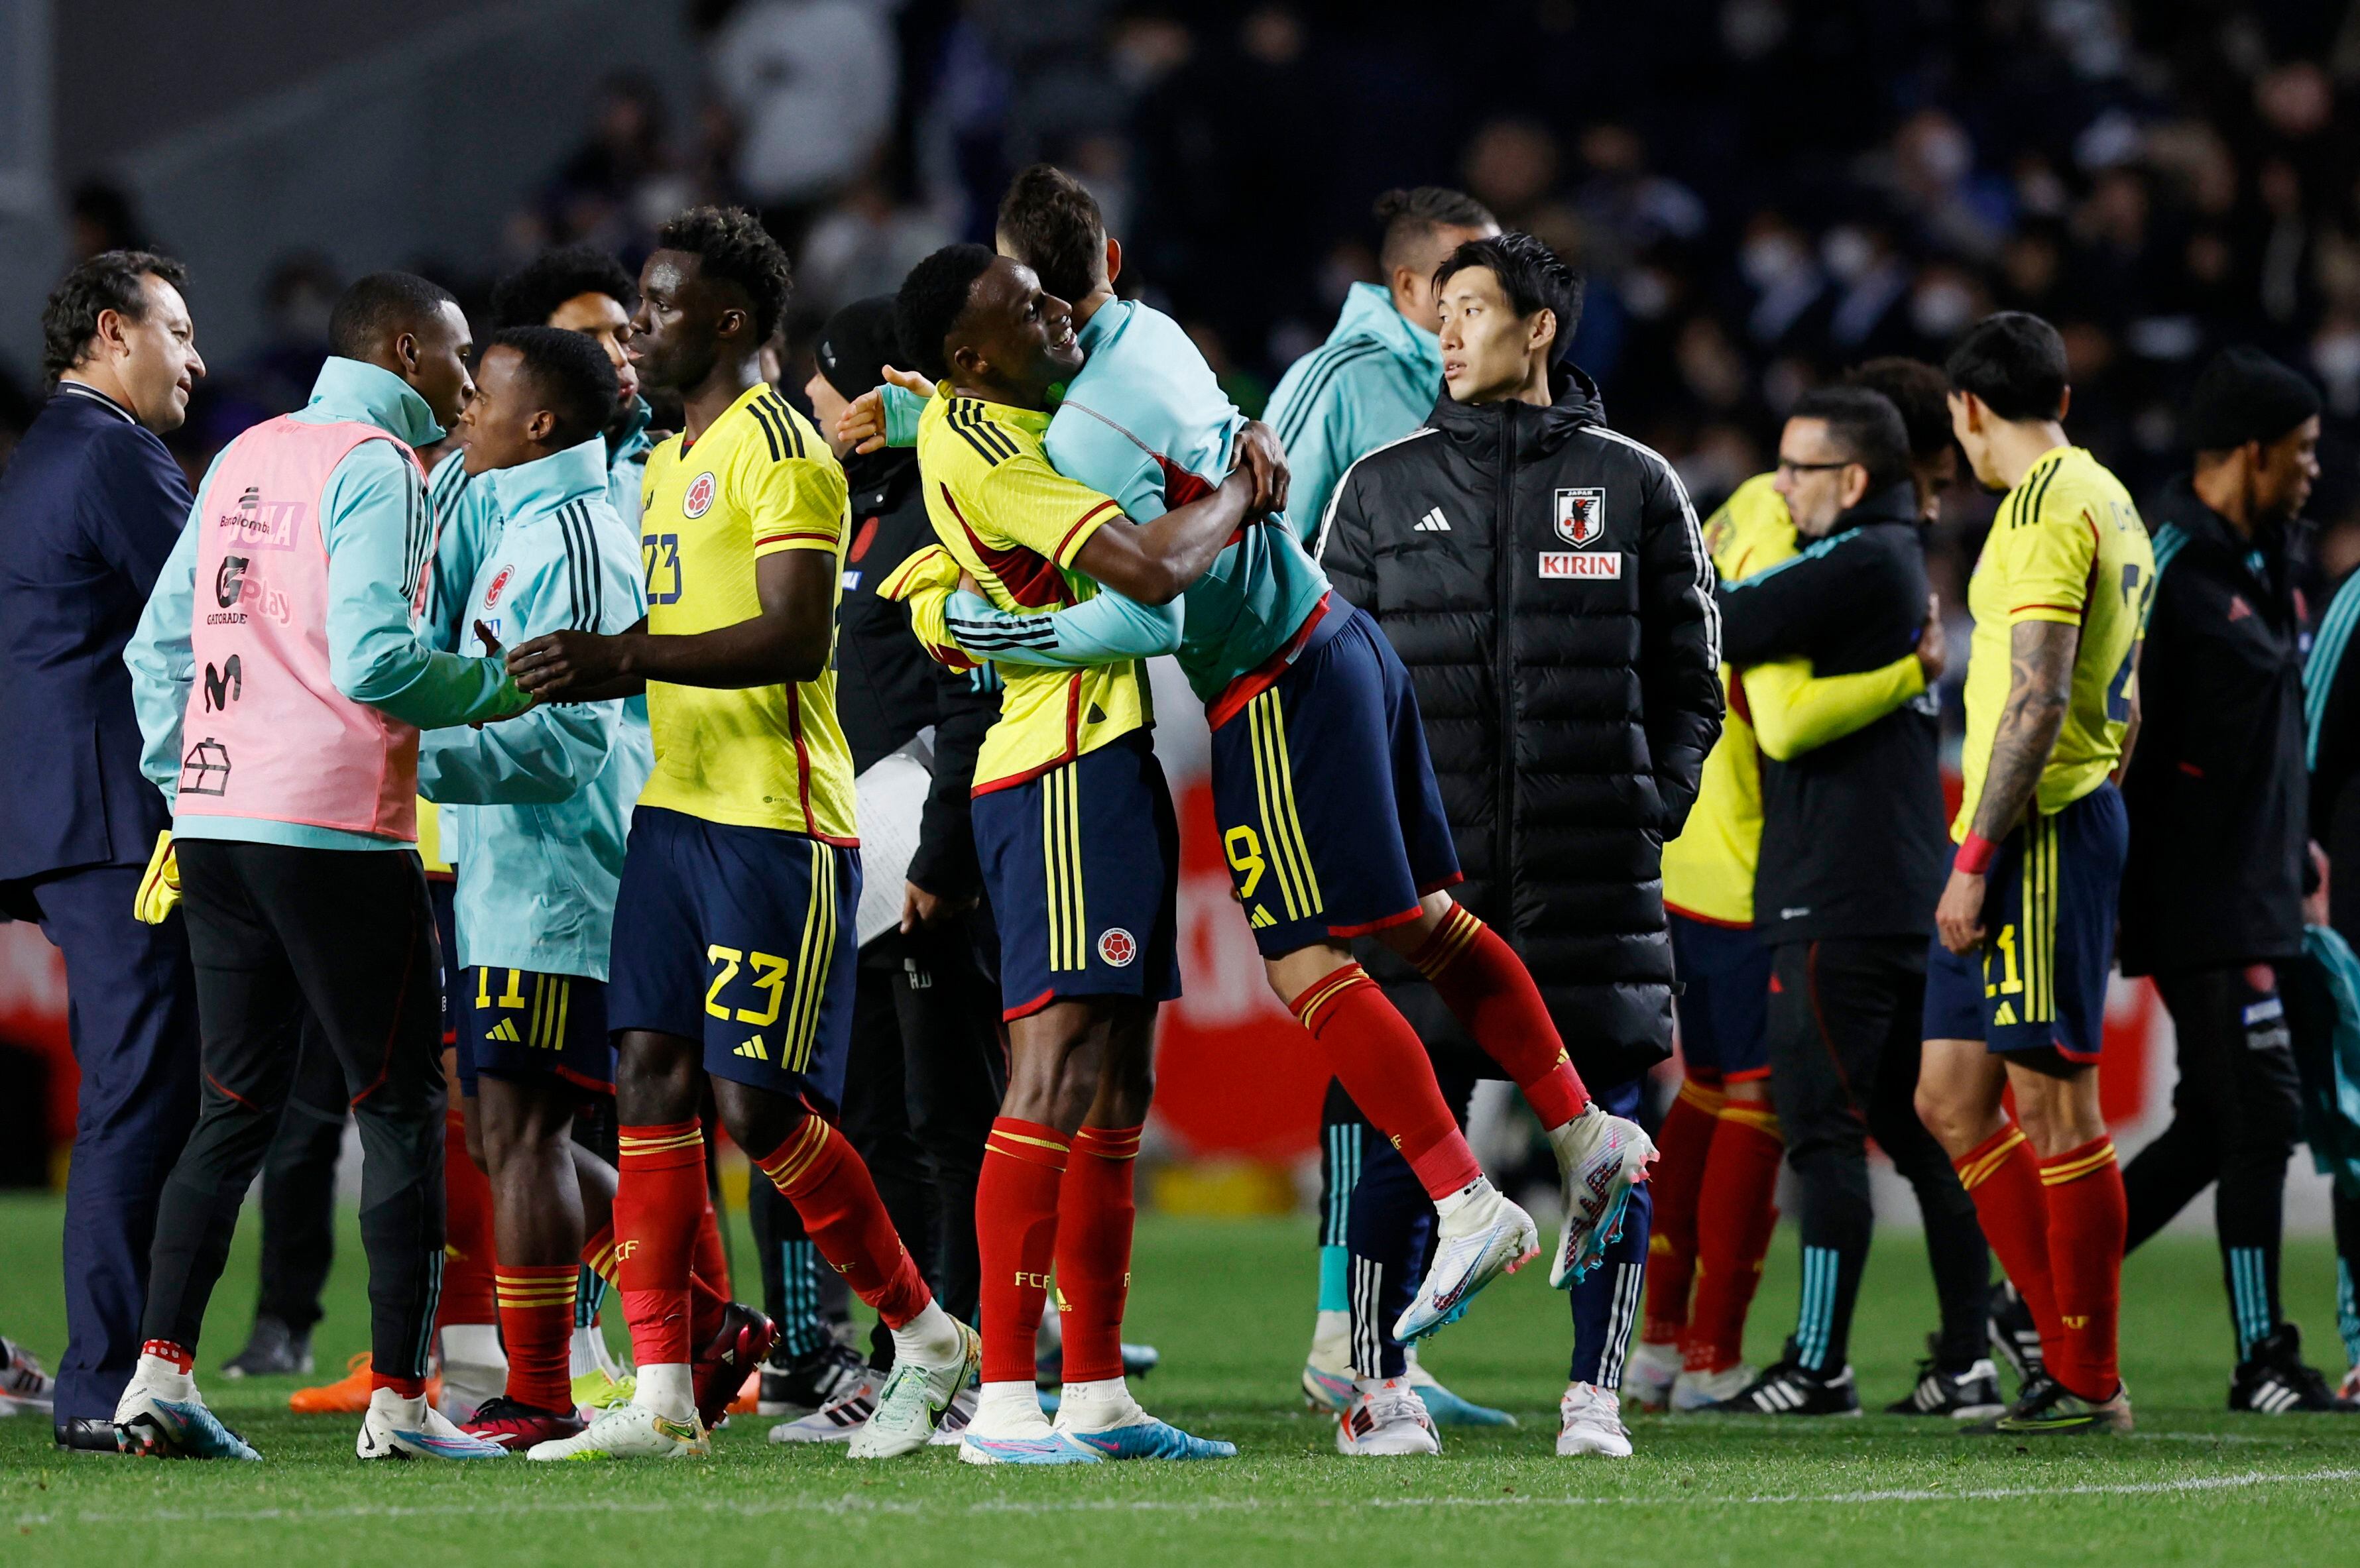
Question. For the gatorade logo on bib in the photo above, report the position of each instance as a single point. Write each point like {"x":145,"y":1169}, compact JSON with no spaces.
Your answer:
{"x":1115,"y":947}
{"x":699,"y":499}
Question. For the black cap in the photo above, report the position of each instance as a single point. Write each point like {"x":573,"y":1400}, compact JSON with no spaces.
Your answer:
{"x":858,"y":344}
{"x":2245,"y":395}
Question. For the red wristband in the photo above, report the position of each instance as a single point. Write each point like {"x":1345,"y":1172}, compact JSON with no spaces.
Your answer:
{"x":1975,"y":853}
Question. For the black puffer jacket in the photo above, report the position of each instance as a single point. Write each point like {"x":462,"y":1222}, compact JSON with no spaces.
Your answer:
{"x":1545,"y":581}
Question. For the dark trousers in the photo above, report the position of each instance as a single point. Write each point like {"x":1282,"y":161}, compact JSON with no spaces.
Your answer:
{"x":2234,"y":1115}
{"x":921,"y":1086}
{"x":348,"y":937}
{"x":131,"y":1012}
{"x":299,"y":1187}
{"x":1845,"y":1014}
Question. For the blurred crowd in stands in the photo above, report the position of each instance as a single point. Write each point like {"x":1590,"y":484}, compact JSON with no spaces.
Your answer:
{"x":1760,"y":191}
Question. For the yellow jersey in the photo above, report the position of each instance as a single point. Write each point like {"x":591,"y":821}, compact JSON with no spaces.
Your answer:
{"x":2067,"y":546}
{"x":1709,"y":869}
{"x":759,"y":481}
{"x":1015,"y":524}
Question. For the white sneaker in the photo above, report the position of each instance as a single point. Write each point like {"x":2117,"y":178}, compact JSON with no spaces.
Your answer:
{"x":913,"y":1400}
{"x":1650,"y":1375}
{"x":1695,"y":1391}
{"x":630,"y":1432}
{"x":23,"y":1385}
{"x":1592,"y":1421}
{"x":835,"y":1421}
{"x":1386,"y":1420}
{"x":1601,"y":1158}
{"x":162,"y":1414}
{"x":396,"y":1428}
{"x":1477,"y":1238}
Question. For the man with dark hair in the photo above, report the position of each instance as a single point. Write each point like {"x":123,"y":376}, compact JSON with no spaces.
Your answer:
{"x":2213,"y":889}
{"x":2015,"y":981}
{"x":1375,"y":378}
{"x":1721,"y":1136}
{"x":1544,"y":582}
{"x":1847,"y":927}
{"x":1315,"y":748}
{"x":532,"y":815}
{"x":584,"y":289}
{"x":1077,"y":838}
{"x":733,"y":949}
{"x":926,"y":1073}
{"x":92,"y":504}
{"x":282,"y":720}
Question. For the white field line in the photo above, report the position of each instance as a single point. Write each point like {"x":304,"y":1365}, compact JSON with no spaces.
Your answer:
{"x":751,"y":1507}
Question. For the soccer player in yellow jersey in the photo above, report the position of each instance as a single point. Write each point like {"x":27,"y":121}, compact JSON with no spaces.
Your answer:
{"x":735,"y":923}
{"x":2016,"y":986}
{"x":1720,"y":1139}
{"x":1075,"y":829}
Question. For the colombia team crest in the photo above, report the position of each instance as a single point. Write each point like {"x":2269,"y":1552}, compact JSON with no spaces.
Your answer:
{"x":1117,"y":947}
{"x":1581,"y":515}
{"x":699,"y":499}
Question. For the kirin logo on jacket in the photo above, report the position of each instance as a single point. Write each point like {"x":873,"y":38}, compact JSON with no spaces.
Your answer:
{"x":258,"y":524}
{"x":1581,"y":515}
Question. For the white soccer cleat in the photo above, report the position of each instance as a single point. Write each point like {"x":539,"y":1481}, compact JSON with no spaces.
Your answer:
{"x":1601,"y":1158}
{"x":1482,"y":1237}
{"x":1328,"y":1370}
{"x":1591,"y":1419}
{"x":1386,"y":1420}
{"x":1650,"y":1374}
{"x":913,"y":1400}
{"x":835,"y":1421}
{"x":396,"y":1428}
{"x":630,"y":1432}
{"x":162,"y":1415}
{"x":954,"y":1420}
{"x":1695,"y":1390}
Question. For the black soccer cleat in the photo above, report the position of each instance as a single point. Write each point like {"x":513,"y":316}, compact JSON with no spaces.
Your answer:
{"x":2014,"y":1335}
{"x":1791,"y":1389}
{"x":2049,"y":1409}
{"x":1969,"y":1394}
{"x":272,"y":1350}
{"x":795,"y":1386}
{"x":2273,"y":1379}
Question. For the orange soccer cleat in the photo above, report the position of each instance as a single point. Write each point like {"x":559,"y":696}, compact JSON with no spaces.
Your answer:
{"x":349,"y":1394}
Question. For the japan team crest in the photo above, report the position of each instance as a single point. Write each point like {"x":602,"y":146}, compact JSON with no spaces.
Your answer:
{"x":1581,"y":516}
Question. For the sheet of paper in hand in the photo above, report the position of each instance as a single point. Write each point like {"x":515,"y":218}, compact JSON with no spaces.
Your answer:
{"x":891,"y":801}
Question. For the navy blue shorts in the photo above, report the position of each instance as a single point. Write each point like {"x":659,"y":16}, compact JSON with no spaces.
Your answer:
{"x":1724,"y":1000}
{"x":1082,"y":867}
{"x":520,"y":1025}
{"x":2048,"y":917}
{"x":743,"y":937}
{"x":1324,"y":797}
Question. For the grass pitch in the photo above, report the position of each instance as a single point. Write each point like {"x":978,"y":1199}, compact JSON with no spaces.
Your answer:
{"x":1228,"y":1303}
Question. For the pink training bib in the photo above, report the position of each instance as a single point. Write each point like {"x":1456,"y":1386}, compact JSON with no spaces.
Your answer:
{"x":267,"y":735}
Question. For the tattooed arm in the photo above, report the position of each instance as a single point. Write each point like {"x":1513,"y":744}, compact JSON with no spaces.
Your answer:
{"x":2040,"y":685}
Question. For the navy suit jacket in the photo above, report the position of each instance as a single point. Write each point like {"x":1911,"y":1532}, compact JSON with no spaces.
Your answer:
{"x":89,"y":505}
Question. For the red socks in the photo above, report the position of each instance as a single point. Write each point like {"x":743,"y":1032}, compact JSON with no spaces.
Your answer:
{"x":1736,"y":1212}
{"x":1683,"y":1140}
{"x":1016,"y":1236}
{"x":1489,"y":990}
{"x":2088,"y":1215}
{"x":467,"y":1262}
{"x":1096,"y":1216}
{"x":536,"y":1329}
{"x":705,"y":1303}
{"x":2004,"y":1178}
{"x":711,"y":1260}
{"x":1383,"y":1066}
{"x":659,"y":1195}
{"x":821,"y":1174}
